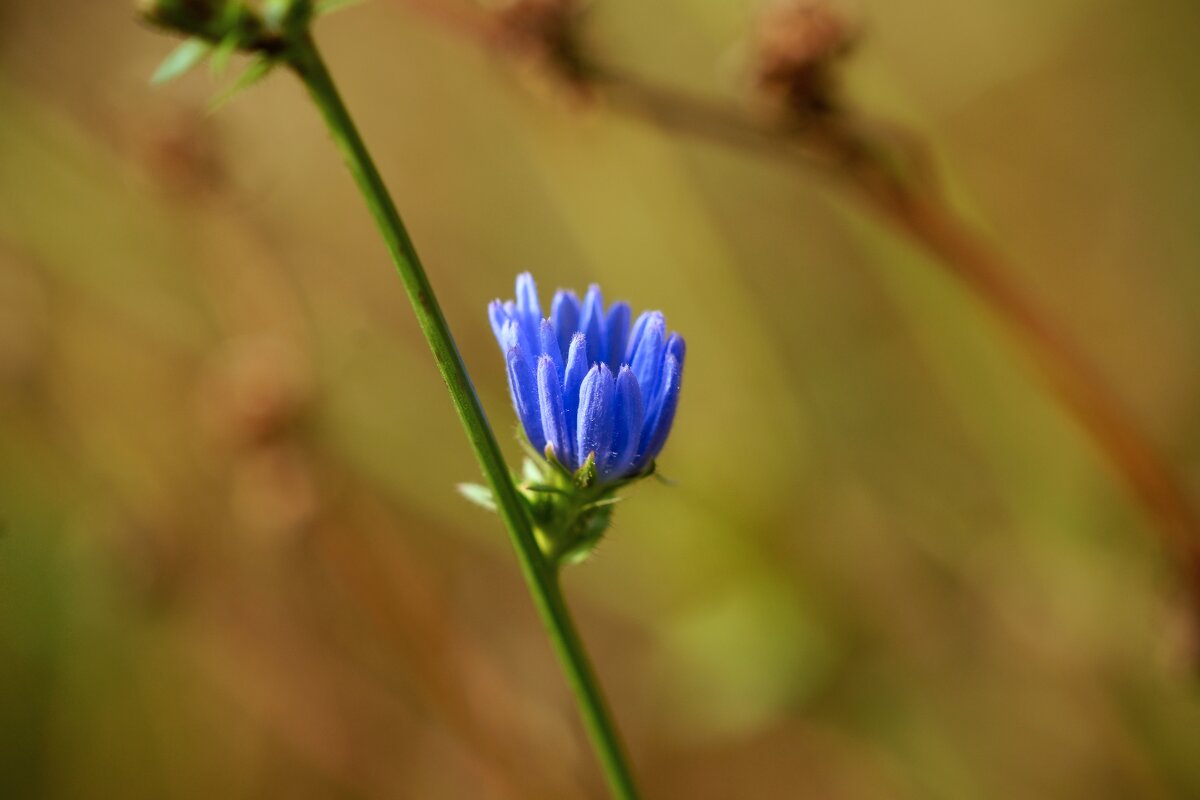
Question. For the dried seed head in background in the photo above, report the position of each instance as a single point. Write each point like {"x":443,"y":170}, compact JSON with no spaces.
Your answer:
{"x":797,"y":45}
{"x":544,"y":35}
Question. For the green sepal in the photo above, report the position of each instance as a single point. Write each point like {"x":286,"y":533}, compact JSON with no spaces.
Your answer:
{"x":259,"y":68}
{"x":545,"y":487}
{"x":478,"y":494}
{"x":552,"y":460}
{"x":222,"y":54}
{"x":288,"y":17}
{"x":530,"y":471}
{"x":591,"y":527}
{"x":187,"y":55}
{"x":570,"y":510}
{"x":585,"y":476}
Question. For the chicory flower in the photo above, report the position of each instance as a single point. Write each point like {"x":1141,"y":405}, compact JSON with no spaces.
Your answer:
{"x":588,"y":386}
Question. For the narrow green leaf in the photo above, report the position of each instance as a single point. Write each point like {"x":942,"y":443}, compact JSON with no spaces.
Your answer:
{"x":187,"y":55}
{"x":222,"y":55}
{"x":546,"y":489}
{"x":608,"y":501}
{"x":664,"y":480}
{"x":259,"y":68}
{"x":478,"y":494}
{"x":555,"y":464}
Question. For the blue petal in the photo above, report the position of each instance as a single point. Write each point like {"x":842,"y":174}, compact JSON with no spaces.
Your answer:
{"x":523,"y":385}
{"x":617,"y":324}
{"x":647,"y":360}
{"x":592,"y":324}
{"x":549,"y":347}
{"x":528,"y":344}
{"x":529,"y":310}
{"x":554,"y":421}
{"x":510,"y":335}
{"x":528,"y":305}
{"x":677,"y":347}
{"x":564,"y":314}
{"x":657,"y":427}
{"x":573,"y":375}
{"x":498,"y":316}
{"x":628,"y":418}
{"x":635,"y":336}
{"x":585,"y":382}
{"x":595,"y":426}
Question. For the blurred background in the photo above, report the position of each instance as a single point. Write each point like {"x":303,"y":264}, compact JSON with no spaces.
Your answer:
{"x":233,"y":563}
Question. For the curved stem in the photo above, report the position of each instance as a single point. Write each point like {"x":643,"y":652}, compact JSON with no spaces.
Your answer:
{"x":305,"y":60}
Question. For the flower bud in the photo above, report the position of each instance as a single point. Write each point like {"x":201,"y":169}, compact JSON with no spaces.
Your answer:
{"x":261,"y":26}
{"x":597,"y":419}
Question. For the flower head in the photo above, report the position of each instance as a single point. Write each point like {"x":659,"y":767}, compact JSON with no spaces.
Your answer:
{"x":590,"y":386}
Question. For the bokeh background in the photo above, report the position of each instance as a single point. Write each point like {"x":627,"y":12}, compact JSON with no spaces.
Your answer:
{"x":233,"y":562}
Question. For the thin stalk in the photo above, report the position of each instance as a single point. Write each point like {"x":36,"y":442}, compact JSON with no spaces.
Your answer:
{"x":541,"y":577}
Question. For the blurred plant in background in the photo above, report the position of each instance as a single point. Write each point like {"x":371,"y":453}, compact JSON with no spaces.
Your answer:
{"x":233,"y":566}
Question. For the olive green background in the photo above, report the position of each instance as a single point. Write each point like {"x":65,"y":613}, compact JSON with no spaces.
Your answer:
{"x":233,"y":563}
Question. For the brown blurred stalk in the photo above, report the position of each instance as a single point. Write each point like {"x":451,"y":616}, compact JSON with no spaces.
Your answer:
{"x":886,"y":170}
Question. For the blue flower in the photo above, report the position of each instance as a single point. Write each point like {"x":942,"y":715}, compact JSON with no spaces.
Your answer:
{"x":585,"y":382}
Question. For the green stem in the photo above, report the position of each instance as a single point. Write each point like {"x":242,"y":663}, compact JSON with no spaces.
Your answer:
{"x":540,"y":576}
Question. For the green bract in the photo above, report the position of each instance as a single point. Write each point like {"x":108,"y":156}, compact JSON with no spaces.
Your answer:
{"x":570,"y":510}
